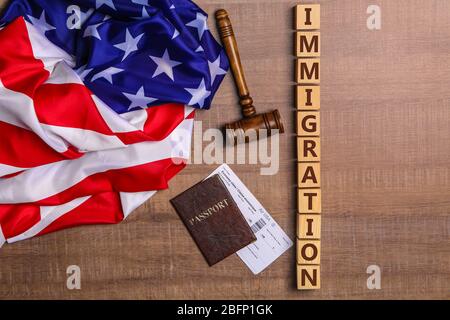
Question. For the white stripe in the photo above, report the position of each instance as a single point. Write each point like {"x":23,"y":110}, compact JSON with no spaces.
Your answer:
{"x":44,"y":181}
{"x":63,"y":74}
{"x":82,"y":139}
{"x":2,"y":237}
{"x":136,"y":118}
{"x":46,"y":51}
{"x":132,"y":200}
{"x":7,"y":169}
{"x":48,"y":215}
{"x":115,"y":122}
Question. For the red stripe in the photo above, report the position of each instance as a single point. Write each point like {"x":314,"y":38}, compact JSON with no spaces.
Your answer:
{"x":146,"y":177}
{"x":98,"y":209}
{"x":18,"y":218}
{"x":104,"y":208}
{"x":20,"y":71}
{"x":68,"y":105}
{"x":161,"y":121}
{"x":23,"y":148}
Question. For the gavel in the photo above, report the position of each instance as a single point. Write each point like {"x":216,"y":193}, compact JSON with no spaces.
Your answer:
{"x":240,"y":131}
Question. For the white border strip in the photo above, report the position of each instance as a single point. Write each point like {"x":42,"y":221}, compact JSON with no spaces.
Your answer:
{"x":2,"y":237}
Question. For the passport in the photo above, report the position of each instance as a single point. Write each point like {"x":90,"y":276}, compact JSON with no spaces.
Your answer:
{"x":213,"y":219}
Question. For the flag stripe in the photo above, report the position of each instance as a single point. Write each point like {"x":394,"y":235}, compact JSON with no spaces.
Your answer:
{"x":9,"y":171}
{"x":15,"y":140}
{"x":132,"y":200}
{"x":149,"y":176}
{"x":16,"y":219}
{"x":52,"y":213}
{"x":2,"y":237}
{"x":104,"y":208}
{"x":18,"y":109}
{"x":17,"y":54}
{"x":45,"y":181}
{"x":72,"y":107}
{"x":21,"y":111}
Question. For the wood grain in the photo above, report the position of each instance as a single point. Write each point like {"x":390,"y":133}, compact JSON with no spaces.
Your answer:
{"x":385,"y":166}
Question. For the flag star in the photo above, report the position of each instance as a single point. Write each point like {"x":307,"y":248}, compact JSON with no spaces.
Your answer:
{"x":215,"y":69}
{"x":41,"y":24}
{"x":199,"y":49}
{"x":109,"y":3}
{"x":107,"y":74}
{"x":172,"y":7}
{"x":164,"y":65}
{"x":141,"y":2}
{"x":144,"y":13}
{"x":92,"y":30}
{"x":200,"y":24}
{"x":176,"y":33}
{"x":198,"y":94}
{"x":83,"y":72}
{"x":138,"y":100}
{"x":130,"y":44}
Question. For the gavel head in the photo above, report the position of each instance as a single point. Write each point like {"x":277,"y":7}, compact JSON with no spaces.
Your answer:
{"x":251,"y":128}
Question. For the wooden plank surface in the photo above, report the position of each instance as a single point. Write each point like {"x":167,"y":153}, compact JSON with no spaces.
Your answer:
{"x":385,"y":169}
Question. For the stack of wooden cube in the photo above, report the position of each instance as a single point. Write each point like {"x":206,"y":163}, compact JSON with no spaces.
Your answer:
{"x":307,"y":51}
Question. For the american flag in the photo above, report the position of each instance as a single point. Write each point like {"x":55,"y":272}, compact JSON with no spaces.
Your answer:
{"x":97,"y":101}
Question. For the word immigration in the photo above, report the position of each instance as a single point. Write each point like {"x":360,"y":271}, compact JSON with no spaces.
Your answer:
{"x":309,"y":208}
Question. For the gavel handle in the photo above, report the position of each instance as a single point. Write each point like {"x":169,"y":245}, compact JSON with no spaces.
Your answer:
{"x":229,"y":42}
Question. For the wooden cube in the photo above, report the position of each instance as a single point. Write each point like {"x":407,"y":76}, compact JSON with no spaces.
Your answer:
{"x":308,"y":97}
{"x":308,"y":175}
{"x":309,"y":200}
{"x":308,"y":251}
{"x":308,"y":123}
{"x":307,"y":44}
{"x":308,"y":71}
{"x":308,"y":226}
{"x":308,"y":149}
{"x":307,"y":17}
{"x":308,"y":277}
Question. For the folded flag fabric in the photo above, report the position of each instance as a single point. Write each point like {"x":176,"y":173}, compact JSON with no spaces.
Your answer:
{"x":97,"y":101}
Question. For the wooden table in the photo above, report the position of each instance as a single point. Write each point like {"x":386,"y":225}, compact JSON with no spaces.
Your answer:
{"x":385,"y":172}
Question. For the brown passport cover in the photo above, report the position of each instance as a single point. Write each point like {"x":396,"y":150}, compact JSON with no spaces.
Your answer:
{"x":213,"y":219}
